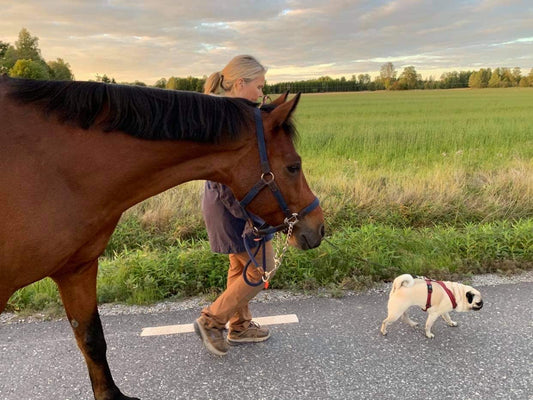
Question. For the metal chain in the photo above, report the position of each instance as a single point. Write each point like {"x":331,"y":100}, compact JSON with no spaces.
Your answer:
{"x":278,"y":258}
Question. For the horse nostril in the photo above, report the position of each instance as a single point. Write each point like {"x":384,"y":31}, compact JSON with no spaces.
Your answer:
{"x":322,"y":230}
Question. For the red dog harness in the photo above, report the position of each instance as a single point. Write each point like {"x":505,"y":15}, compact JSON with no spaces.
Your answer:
{"x":430,"y":291}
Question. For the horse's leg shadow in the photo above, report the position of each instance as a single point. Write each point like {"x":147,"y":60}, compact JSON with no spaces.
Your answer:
{"x":78,"y":292}
{"x":5,"y":294}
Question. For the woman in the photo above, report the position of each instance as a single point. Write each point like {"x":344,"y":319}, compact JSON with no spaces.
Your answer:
{"x":226,"y":221}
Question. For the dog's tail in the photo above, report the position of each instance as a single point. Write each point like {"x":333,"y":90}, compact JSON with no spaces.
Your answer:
{"x":403,"y":280}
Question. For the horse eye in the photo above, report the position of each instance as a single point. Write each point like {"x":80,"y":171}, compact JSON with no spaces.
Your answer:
{"x":293,"y":169}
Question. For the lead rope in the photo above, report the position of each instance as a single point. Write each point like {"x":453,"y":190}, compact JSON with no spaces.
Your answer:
{"x":278,"y":257}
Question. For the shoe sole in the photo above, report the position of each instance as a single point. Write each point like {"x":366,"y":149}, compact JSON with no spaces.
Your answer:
{"x":200,"y":332}
{"x":248,"y":340}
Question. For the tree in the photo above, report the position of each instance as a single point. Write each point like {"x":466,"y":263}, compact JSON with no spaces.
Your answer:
{"x":527,"y":80}
{"x":105,"y":79}
{"x":9,"y":59}
{"x":60,"y":70}
{"x":27,"y":46}
{"x":172,"y":83}
{"x":480,"y":79}
{"x":161,"y":83}
{"x":506,"y":77}
{"x":409,"y":78}
{"x":517,"y":75}
{"x":29,"y":69}
{"x":464,"y":76}
{"x":524,"y":82}
{"x":430,"y":83}
{"x":3,"y":48}
{"x":387,"y":74}
{"x":495,"y":80}
{"x":364,"y":80}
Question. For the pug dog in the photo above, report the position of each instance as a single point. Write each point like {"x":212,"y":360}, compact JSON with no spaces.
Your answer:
{"x":435,"y":297}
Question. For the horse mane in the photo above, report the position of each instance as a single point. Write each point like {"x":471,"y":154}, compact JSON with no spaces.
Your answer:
{"x":146,"y":113}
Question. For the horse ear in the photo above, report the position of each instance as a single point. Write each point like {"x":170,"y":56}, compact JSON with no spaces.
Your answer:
{"x":281,"y":99}
{"x":282,"y":113}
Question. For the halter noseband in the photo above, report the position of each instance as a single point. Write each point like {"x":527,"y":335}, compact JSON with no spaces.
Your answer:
{"x":268,"y":179}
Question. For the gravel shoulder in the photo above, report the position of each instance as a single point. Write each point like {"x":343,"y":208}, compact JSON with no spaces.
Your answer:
{"x":267,"y":296}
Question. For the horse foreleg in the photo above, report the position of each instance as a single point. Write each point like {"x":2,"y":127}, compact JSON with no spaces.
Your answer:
{"x":78,"y":292}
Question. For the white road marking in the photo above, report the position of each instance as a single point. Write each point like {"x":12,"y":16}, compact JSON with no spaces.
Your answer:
{"x":187,"y":328}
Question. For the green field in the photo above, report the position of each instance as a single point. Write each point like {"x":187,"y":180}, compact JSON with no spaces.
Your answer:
{"x":444,"y":156}
{"x":428,"y":182}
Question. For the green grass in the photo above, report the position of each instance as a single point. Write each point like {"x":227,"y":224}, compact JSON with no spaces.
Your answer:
{"x":422,"y":157}
{"x":436,"y":183}
{"x":421,"y":129}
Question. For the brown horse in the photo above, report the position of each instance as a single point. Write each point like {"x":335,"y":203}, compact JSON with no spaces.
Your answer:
{"x":75,"y":155}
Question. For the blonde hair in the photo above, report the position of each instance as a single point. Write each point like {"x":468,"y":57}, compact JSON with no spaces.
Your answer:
{"x":243,"y":66}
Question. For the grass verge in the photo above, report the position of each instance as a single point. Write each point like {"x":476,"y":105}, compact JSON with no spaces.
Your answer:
{"x":352,"y":258}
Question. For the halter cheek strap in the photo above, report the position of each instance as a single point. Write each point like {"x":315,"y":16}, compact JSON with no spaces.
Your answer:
{"x":268,"y":180}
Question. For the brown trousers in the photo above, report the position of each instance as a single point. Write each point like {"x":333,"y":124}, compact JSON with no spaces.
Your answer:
{"x":232,"y":304}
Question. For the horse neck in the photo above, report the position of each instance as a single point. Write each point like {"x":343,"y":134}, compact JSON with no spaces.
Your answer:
{"x":145,"y":168}
{"x":166,"y":165}
{"x":99,"y":170}
{"x":113,"y":171}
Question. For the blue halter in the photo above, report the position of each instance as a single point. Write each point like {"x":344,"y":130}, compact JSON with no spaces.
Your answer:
{"x":268,"y":180}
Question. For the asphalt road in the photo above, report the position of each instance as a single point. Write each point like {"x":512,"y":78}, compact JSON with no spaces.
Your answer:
{"x":335,"y":352}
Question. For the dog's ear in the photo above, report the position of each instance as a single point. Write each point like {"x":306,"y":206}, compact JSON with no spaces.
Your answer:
{"x":470,"y":297}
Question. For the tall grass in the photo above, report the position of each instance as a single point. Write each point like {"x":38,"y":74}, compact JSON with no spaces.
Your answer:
{"x":429,"y":182}
{"x":420,"y":129}
{"x":422,"y":157}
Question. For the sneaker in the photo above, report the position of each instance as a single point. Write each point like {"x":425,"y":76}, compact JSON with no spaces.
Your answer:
{"x":255,"y":333}
{"x":212,"y":338}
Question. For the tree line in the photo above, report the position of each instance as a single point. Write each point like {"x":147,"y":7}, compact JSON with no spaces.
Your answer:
{"x":388,"y":79}
{"x":24,"y":60}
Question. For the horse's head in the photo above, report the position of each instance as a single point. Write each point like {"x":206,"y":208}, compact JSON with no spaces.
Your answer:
{"x":273,"y":185}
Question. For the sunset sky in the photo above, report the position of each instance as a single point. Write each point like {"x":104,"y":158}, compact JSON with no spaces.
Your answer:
{"x":295,"y":39}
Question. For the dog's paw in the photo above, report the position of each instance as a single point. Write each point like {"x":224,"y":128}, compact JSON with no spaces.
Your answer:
{"x":430,"y":335}
{"x":452,"y":323}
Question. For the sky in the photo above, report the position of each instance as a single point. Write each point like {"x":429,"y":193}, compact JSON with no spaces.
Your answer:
{"x":146,"y":40}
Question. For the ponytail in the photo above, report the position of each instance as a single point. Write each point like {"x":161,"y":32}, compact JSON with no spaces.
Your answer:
{"x":213,"y":84}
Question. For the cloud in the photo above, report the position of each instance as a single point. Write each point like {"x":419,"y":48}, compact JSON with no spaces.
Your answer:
{"x":296,"y":39}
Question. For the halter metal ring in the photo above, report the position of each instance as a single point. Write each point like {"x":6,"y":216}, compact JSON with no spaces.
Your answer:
{"x":292,"y":219}
{"x":265,"y":179}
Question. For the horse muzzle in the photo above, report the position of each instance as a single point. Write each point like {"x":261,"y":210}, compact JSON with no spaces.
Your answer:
{"x":305,"y":237}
